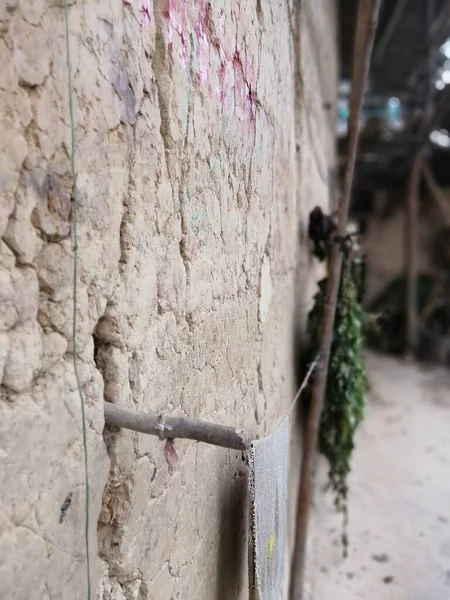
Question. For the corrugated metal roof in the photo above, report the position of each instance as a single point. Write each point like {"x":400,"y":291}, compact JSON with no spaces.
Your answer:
{"x":401,"y":67}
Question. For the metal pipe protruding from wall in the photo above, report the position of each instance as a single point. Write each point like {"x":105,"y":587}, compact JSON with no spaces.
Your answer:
{"x":176,"y":427}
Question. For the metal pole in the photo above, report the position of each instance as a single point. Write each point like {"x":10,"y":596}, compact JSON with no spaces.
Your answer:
{"x":365,"y":33}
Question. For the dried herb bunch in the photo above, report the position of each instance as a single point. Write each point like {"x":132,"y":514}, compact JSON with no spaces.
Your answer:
{"x":345,"y":392}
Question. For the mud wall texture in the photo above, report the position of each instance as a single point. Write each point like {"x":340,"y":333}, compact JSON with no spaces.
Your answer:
{"x":385,"y":240}
{"x":203,"y":139}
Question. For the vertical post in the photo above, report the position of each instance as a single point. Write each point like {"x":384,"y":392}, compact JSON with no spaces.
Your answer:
{"x":364,"y":38}
{"x":410,"y":251}
{"x":430,"y":11}
{"x":412,"y":196}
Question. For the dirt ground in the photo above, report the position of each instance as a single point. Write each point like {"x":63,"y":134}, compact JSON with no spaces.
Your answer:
{"x":399,"y":495}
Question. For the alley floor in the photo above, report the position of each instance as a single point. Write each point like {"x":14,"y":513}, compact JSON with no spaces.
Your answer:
{"x":399,"y":495}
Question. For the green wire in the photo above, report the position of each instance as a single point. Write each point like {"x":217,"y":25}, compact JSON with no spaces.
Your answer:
{"x":74,"y":320}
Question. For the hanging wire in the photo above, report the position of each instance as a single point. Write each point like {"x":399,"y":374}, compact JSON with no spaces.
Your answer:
{"x":315,"y":364}
{"x":75,"y":290}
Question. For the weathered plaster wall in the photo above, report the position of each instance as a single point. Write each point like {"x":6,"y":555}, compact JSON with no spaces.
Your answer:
{"x":384,"y":242}
{"x":202,"y":142}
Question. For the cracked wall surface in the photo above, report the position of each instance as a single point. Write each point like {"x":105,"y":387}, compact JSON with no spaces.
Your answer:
{"x":204,"y":136}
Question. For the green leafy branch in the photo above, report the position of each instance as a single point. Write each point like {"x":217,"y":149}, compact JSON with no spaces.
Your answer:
{"x":345,"y":392}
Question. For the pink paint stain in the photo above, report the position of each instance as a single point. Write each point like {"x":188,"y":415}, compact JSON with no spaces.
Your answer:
{"x":203,"y":36}
{"x":236,"y":82}
{"x":245,"y":96}
{"x":144,"y":12}
{"x":175,"y":14}
{"x":222,"y":23}
{"x":221,"y":75}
